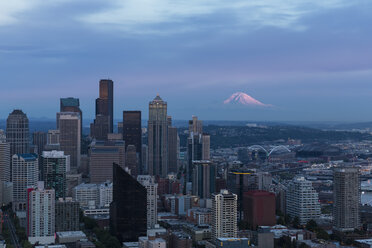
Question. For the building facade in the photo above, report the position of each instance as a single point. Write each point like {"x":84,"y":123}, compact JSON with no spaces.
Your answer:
{"x":158,"y":138}
{"x":224,"y":215}
{"x":302,"y":200}
{"x":5,"y":162}
{"x":346,"y":195}
{"x":132,"y":134}
{"x":67,"y":215}
{"x":17,"y":132}
{"x":204,"y":178}
{"x":70,"y":137}
{"x":152,"y":199}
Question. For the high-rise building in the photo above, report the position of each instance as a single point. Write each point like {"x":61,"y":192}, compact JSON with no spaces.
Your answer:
{"x":39,"y":139}
{"x":40,"y":215}
{"x":131,"y":160}
{"x":2,"y":136}
{"x":132,"y":133}
{"x":302,"y":200}
{"x":99,"y":195}
{"x":100,"y":128}
{"x":198,"y":145}
{"x":204,"y":178}
{"x":145,"y":159}
{"x":5,"y":162}
{"x":259,"y":208}
{"x":158,"y":138}
{"x":67,"y":215}
{"x":70,"y":137}
{"x":53,"y":137}
{"x":102,"y":154}
{"x":55,"y":164}
{"x":224,"y":215}
{"x":71,"y":104}
{"x":104,"y":110}
{"x":173,"y":149}
{"x":346,"y":195}
{"x":152,"y":199}
{"x":128,"y":210}
{"x":24,"y":175}
{"x":17,"y":132}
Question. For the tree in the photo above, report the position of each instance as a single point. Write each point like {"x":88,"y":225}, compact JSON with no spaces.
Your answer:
{"x":311,"y":225}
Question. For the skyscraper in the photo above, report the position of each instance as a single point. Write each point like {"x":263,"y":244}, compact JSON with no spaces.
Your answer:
{"x":346,"y":195}
{"x":41,"y":215}
{"x":131,"y":160}
{"x":302,"y":200}
{"x":102,"y":154}
{"x":71,"y":104}
{"x":24,"y":174}
{"x":67,"y":215}
{"x":39,"y":139}
{"x":4,"y":162}
{"x":152,"y":199}
{"x":54,"y":167}
{"x":132,"y":133}
{"x":128,"y":210}
{"x":70,"y":137}
{"x":158,"y":138}
{"x":204,"y":178}
{"x":173,"y":149}
{"x":17,"y":132}
{"x":104,"y":108}
{"x":224,"y":215}
{"x":198,"y":145}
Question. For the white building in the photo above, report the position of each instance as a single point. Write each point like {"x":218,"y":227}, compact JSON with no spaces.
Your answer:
{"x":151,"y":242}
{"x":302,"y":200}
{"x":24,"y":175}
{"x":41,"y":215}
{"x":93,"y":195}
{"x":152,"y":195}
{"x":4,"y":161}
{"x":105,"y":194}
{"x":86,"y":194}
{"x":224,"y":215}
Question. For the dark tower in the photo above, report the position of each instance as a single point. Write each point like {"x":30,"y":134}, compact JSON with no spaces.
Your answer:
{"x":71,"y":104}
{"x":128,"y":209}
{"x":105,"y":102}
{"x":132,"y":133}
{"x":17,"y":132}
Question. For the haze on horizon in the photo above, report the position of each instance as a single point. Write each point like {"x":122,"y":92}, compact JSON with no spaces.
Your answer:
{"x":310,"y":60}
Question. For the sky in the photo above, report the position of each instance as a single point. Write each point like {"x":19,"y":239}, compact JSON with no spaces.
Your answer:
{"x":308,"y":60}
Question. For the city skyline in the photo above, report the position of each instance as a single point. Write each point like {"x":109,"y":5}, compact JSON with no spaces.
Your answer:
{"x":309,"y":60}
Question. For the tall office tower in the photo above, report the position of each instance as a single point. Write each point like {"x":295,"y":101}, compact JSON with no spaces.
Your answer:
{"x":55,"y":164}
{"x":4,"y":162}
{"x":346,"y":195}
{"x":70,"y":137}
{"x":132,"y":133}
{"x":100,"y":128}
{"x":145,"y":159}
{"x":152,"y":199}
{"x":204,"y":178}
{"x":102,"y":154}
{"x":224,"y":215}
{"x":67,"y":215}
{"x":158,"y":138}
{"x":71,"y":104}
{"x":173,"y":149}
{"x":24,"y":174}
{"x":128,"y":210}
{"x":104,"y":109}
{"x":131,"y":160}
{"x":39,"y":139}
{"x":53,"y":137}
{"x":206,"y":146}
{"x":302,"y":200}
{"x":2,"y":136}
{"x":17,"y":132}
{"x":41,"y":215}
{"x":198,"y":145}
{"x":195,"y":125}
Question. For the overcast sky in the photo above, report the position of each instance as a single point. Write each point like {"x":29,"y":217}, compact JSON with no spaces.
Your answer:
{"x":310,"y":59}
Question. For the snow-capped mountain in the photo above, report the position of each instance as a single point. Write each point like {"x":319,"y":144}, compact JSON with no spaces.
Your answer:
{"x":242,"y":98}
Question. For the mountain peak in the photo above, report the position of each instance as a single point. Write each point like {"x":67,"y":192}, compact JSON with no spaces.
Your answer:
{"x":242,"y":98}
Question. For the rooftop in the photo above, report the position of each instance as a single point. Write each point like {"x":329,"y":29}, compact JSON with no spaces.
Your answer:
{"x":70,"y":234}
{"x":70,"y":102}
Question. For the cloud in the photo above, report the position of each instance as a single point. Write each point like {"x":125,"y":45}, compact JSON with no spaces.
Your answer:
{"x":10,"y":10}
{"x":162,"y":16}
